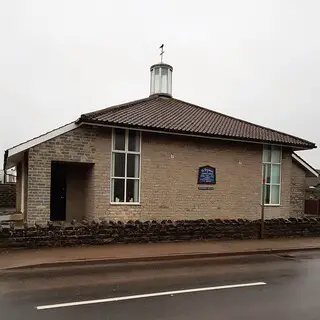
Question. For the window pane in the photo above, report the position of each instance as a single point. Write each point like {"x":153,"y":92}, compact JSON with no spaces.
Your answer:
{"x":164,"y":78}
{"x":117,"y":190}
{"x":169,"y":83}
{"x":156,"y":80}
{"x":152,"y":81}
{"x":276,"y":155}
{"x":275,"y":173}
{"x":119,"y":139}
{"x":133,"y":165}
{"x":267,"y":194}
{"x":118,"y":163}
{"x":132,"y":190}
{"x":267,"y":154}
{"x":267,"y":172}
{"x":275,"y":194}
{"x":134,"y":140}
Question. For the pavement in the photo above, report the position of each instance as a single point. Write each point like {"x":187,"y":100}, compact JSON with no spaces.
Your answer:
{"x":48,"y":257}
{"x":265,"y":286}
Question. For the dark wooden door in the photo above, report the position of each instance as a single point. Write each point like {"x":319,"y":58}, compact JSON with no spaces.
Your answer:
{"x":58,"y":192}
{"x":312,"y":207}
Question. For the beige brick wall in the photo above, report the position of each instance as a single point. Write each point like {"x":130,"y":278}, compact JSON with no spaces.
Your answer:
{"x":75,"y":146}
{"x":298,"y":190}
{"x":169,"y":187}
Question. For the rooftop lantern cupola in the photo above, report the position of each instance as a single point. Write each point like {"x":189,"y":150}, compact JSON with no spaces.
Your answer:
{"x":161,"y":78}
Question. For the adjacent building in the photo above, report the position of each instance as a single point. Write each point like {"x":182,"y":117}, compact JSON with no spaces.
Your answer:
{"x":8,"y":177}
{"x":159,"y":158}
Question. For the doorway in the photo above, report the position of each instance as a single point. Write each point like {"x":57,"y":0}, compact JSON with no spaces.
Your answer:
{"x":71,"y":190}
{"x":58,"y":192}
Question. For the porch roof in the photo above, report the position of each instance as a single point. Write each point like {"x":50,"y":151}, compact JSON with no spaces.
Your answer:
{"x":13,"y":155}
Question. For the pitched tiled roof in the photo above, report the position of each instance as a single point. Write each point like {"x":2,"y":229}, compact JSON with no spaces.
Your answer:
{"x":172,"y":115}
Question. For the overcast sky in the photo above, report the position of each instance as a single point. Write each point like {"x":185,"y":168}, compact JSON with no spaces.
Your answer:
{"x":258,"y":60}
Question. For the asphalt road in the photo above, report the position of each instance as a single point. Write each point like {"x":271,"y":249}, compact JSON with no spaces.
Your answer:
{"x":291,"y":290}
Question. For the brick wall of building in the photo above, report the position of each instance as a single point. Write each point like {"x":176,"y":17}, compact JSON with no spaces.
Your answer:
{"x":75,"y":146}
{"x":22,"y":186}
{"x":7,"y":195}
{"x":169,"y":187}
{"x":298,"y":190}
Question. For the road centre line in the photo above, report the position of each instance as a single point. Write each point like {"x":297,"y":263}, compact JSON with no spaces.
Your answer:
{"x":148,"y":295}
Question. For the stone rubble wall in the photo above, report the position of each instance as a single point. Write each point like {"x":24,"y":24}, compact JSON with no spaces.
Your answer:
{"x":105,"y":232}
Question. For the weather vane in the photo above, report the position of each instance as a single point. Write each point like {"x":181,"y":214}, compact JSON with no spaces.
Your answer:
{"x":161,"y":52}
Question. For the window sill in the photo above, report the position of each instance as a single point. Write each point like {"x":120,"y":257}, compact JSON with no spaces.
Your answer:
{"x":125,"y":203}
{"x":271,"y":205}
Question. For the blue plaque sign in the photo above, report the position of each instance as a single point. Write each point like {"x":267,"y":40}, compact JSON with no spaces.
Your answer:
{"x":207,"y":175}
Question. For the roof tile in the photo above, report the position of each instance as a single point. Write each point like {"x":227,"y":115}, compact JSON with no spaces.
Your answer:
{"x":169,"y":114}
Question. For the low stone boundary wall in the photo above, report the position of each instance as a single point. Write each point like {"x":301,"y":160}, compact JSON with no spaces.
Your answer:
{"x":7,"y":195}
{"x":93,"y":233}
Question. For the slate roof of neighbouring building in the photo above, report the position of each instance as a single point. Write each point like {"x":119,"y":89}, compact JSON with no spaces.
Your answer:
{"x":176,"y":116}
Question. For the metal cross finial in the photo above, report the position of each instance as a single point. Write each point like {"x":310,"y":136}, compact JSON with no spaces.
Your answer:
{"x":161,"y":52}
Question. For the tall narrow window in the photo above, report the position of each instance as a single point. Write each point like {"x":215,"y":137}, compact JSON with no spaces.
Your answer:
{"x":271,"y":169}
{"x":125,"y":174}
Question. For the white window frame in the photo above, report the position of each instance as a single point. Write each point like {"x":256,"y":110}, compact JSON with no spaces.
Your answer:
{"x":271,"y":183}
{"x":125,"y":178}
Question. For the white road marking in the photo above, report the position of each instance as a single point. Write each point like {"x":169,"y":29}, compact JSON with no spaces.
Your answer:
{"x":148,"y":295}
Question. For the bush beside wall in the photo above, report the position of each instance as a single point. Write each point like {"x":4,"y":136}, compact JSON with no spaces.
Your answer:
{"x":93,"y":233}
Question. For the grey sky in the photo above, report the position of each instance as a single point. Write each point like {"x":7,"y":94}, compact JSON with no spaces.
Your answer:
{"x":258,"y":60}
